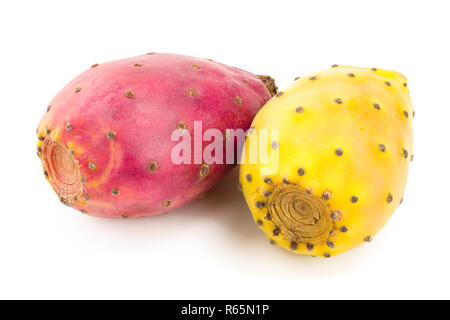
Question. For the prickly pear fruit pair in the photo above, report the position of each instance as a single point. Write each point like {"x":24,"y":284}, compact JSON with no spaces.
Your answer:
{"x":105,"y":141}
{"x":340,"y":143}
{"x":340,"y":148}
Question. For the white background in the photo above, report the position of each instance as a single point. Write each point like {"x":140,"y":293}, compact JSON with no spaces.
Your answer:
{"x":211,"y":247}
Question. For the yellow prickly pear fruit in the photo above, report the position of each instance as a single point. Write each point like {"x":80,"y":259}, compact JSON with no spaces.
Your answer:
{"x":335,"y":165}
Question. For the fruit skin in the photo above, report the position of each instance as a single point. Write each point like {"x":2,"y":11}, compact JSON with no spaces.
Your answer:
{"x":117,"y":118}
{"x":345,"y":136}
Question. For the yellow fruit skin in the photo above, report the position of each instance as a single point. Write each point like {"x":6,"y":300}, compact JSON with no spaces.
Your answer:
{"x":367,"y":113}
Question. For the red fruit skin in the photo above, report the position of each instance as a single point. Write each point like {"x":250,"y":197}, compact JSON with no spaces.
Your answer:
{"x":166,"y":89}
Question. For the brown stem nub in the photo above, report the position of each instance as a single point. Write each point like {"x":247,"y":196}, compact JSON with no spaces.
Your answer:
{"x":269,"y":82}
{"x":62,"y":170}
{"x":300,"y":216}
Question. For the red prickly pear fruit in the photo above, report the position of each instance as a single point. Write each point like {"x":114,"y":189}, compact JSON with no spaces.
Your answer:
{"x":105,"y":140}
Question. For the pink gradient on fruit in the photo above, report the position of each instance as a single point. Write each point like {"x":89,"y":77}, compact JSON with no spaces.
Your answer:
{"x":117,"y":119}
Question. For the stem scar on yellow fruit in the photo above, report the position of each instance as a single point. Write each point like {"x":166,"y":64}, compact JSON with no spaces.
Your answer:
{"x":344,"y":148}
